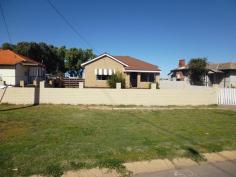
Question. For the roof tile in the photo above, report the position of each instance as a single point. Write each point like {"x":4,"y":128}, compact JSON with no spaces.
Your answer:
{"x":8,"y":57}
{"x":136,"y":64}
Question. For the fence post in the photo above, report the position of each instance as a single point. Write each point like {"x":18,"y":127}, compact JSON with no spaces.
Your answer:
{"x":81,"y":85}
{"x":22,"y":83}
{"x":42,"y":84}
{"x":153,"y":86}
{"x":118,"y":85}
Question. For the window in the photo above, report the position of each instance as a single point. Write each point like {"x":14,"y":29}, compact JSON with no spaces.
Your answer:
{"x":147,"y":77}
{"x":102,"y":77}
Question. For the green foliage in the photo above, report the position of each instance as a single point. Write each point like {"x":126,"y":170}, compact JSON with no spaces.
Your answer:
{"x":56,"y":59}
{"x":116,"y":78}
{"x":115,"y":164}
{"x":197,"y":68}
{"x":54,"y":170}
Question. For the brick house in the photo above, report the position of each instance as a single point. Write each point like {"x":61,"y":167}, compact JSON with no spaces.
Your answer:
{"x":137,"y":73}
{"x":221,"y":74}
{"x":15,"y":67}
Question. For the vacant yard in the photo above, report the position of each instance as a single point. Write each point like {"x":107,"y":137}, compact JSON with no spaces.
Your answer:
{"x":48,"y":139}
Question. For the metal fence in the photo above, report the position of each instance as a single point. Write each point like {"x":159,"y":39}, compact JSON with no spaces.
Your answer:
{"x":227,"y":96}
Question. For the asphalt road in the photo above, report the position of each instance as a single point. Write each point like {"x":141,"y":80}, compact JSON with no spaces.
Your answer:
{"x":218,"y":169}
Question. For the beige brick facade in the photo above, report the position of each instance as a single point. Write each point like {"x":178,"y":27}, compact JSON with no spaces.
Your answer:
{"x":108,"y":63}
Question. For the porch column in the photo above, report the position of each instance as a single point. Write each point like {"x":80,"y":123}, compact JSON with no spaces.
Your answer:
{"x":127,"y":80}
{"x":157,"y":78}
{"x":138,"y":80}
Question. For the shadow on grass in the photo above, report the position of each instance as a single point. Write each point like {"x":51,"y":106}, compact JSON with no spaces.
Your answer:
{"x":16,"y":108}
{"x":194,"y":154}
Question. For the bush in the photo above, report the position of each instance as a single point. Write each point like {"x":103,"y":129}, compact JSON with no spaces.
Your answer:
{"x":116,"y":78}
{"x":197,"y":68}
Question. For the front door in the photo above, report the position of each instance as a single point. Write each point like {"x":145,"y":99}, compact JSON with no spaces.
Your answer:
{"x":133,"y":79}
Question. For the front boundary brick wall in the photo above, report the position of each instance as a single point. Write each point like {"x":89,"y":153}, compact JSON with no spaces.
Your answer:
{"x":146,"y":97}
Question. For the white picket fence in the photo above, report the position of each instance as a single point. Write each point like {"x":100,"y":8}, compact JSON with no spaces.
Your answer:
{"x":227,"y":96}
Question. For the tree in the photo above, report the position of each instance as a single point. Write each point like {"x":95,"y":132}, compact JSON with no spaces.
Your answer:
{"x":71,"y":59}
{"x":116,"y":78}
{"x":197,"y":69}
{"x":9,"y":46}
{"x":56,"y":59}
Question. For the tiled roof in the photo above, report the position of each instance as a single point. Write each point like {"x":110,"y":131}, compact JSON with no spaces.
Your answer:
{"x":130,"y":64}
{"x":8,"y":57}
{"x":222,"y":66}
{"x":214,"y":66}
{"x":136,"y":64}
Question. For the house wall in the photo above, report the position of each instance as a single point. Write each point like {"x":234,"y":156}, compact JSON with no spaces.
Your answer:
{"x":142,"y":84}
{"x":226,"y":79}
{"x":146,"y":84}
{"x":36,"y":72}
{"x":147,"y":97}
{"x":28,"y":73}
{"x":21,"y":74}
{"x":103,"y":63}
{"x":232,"y":78}
{"x":8,"y":74}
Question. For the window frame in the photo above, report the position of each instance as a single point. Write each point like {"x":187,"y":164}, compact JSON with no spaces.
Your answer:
{"x":102,"y":77}
{"x":147,"y":77}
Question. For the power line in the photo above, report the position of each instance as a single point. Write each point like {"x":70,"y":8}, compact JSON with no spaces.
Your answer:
{"x":70,"y":25}
{"x":5,"y":23}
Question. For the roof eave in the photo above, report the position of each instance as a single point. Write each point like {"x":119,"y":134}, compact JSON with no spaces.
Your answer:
{"x":142,"y":71}
{"x":100,"y":56}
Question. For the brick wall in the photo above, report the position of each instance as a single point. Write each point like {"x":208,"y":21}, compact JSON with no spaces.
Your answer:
{"x":147,"y":97}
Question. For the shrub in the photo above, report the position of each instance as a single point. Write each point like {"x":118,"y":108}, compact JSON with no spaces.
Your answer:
{"x":197,"y":68}
{"x":116,"y":78}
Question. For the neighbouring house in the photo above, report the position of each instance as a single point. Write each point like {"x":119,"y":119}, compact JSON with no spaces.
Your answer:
{"x":221,"y":74}
{"x":137,"y":73}
{"x":15,"y":67}
{"x":181,"y":73}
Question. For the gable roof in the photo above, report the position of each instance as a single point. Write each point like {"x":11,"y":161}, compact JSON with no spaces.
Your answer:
{"x":136,"y":64}
{"x":222,"y":66}
{"x":131,"y":64}
{"x":8,"y":57}
{"x":100,"y":56}
{"x":213,"y":66}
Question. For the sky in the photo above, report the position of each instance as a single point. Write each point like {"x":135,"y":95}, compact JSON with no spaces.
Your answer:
{"x":158,"y":31}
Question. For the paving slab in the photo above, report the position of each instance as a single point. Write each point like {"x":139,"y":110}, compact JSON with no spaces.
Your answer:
{"x":95,"y":172}
{"x":183,"y":162}
{"x":213,"y":157}
{"x":228,"y":155}
{"x":149,"y":166}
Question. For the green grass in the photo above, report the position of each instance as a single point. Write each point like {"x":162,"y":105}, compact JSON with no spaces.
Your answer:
{"x":50,"y":139}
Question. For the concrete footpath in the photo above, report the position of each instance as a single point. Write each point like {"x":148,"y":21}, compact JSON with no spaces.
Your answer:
{"x":178,"y":163}
{"x":223,"y":164}
{"x":217,"y":169}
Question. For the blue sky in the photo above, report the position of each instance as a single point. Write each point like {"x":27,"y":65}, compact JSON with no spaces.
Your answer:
{"x":158,"y":31}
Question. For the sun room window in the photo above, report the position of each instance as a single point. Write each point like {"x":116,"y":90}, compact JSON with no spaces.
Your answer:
{"x":147,"y":77}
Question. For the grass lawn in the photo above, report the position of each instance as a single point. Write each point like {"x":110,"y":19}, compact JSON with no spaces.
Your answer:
{"x":49,"y":139}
